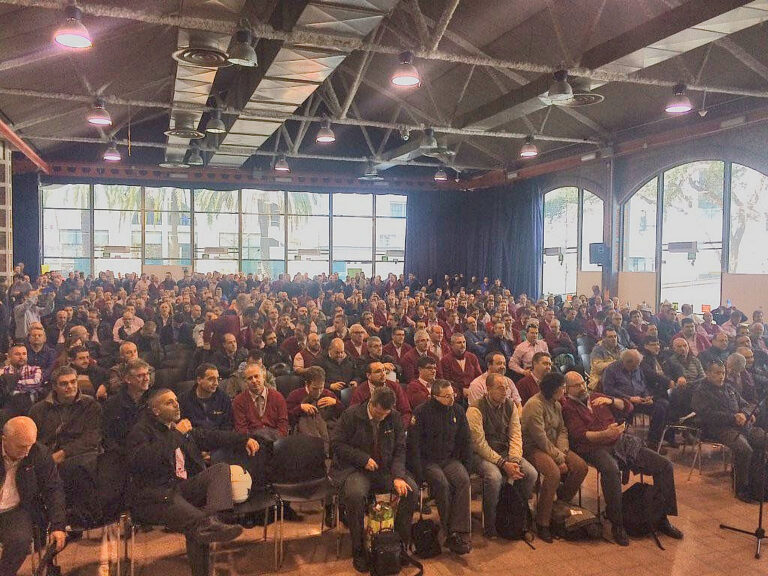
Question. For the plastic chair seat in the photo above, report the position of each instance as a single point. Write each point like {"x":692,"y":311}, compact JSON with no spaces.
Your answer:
{"x":309,"y":491}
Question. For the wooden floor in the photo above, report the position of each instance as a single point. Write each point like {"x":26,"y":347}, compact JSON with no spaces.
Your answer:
{"x":704,"y":502}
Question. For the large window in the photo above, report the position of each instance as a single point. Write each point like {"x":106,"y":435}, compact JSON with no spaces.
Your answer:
{"x":573,"y":219}
{"x":714,"y":217}
{"x":121,"y":228}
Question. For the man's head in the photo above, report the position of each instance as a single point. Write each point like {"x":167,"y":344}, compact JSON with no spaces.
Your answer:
{"x":314,"y":380}
{"x":610,"y":338}
{"x":421,"y":340}
{"x":630,"y":360}
{"x":442,"y":392}
{"x":128,"y":351}
{"x":376,"y":373}
{"x":688,"y":328}
{"x":255,"y":376}
{"x":496,"y":362}
{"x":616,"y":320}
{"x":427,"y":368}
{"x":576,"y":386}
{"x":36,"y":337}
{"x":720,"y":341}
{"x":398,"y":336}
{"x":61,"y":318}
{"x":735,"y":317}
{"x":680,"y":347}
{"x":313,"y":342}
{"x":19,"y":435}
{"x":496,"y":387}
{"x":336,"y":350}
{"x":381,"y":403}
{"x":715,"y":372}
{"x":375,"y":346}
{"x":357,"y":334}
{"x":735,"y":364}
{"x":137,"y":376}
{"x":79,"y":357}
{"x":552,"y":386}
{"x":436,"y":334}
{"x":339,"y":323}
{"x":532,"y":333}
{"x":541,"y":364}
{"x":64,"y":384}
{"x":270,"y":339}
{"x":17,"y":355}
{"x":458,"y":345}
{"x":165,"y":406}
{"x":749,"y":356}
{"x":207,"y":378}
{"x":229,"y":343}
{"x":652,"y":346}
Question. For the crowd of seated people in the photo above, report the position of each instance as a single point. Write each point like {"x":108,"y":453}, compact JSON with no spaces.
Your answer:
{"x":407,"y":383}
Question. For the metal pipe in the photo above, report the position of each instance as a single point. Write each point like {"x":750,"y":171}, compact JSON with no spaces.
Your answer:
{"x":242,"y":151}
{"x":15,"y":141}
{"x":305,"y":37}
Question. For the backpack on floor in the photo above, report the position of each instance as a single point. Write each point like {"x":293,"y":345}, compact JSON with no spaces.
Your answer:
{"x":424,"y":540}
{"x":571,"y":522}
{"x":385,"y":553}
{"x":513,"y":516}
{"x":643,"y":510}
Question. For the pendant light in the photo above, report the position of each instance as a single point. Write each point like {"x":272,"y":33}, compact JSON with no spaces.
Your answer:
{"x":112,"y":154}
{"x":679,"y":103}
{"x":215,"y":124}
{"x":560,"y":91}
{"x":406,"y":75}
{"x":282,"y":165}
{"x":242,"y":53}
{"x":325,"y":135}
{"x":529,"y":149}
{"x":195,"y":159}
{"x":72,"y":33}
{"x":98,"y":115}
{"x":441,"y":175}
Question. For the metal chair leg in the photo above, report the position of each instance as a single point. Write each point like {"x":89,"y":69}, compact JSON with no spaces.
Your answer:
{"x":696,"y":456}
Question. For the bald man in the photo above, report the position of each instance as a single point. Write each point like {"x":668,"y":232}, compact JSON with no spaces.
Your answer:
{"x":29,"y":478}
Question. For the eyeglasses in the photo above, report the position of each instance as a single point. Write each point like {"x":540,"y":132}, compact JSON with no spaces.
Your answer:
{"x":448,"y":396}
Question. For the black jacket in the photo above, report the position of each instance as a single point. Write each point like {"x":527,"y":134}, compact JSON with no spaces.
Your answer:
{"x":335,"y":372}
{"x":437,"y":434}
{"x":352,"y":444}
{"x":40,"y":490}
{"x":119,"y":416}
{"x":716,"y":407}
{"x":74,"y":428}
{"x":151,"y":452}
{"x":215,"y":414}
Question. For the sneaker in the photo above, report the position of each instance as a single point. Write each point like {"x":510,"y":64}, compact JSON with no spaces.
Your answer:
{"x":544,"y":533}
{"x":360,"y":561}
{"x":620,"y":535}
{"x":457,"y":544}
{"x":666,"y":528}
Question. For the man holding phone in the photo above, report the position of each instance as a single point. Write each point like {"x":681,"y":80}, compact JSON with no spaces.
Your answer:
{"x":595,"y":435}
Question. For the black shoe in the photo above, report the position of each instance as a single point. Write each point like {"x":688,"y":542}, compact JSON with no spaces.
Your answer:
{"x":544,"y":533}
{"x":290,"y":514}
{"x":457,"y":544}
{"x":666,"y":528}
{"x":360,"y":561}
{"x":620,"y":535}
{"x":745,"y":497}
{"x":212,"y":530}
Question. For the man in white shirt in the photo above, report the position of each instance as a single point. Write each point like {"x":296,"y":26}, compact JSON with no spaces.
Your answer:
{"x":497,"y":364}
{"x":523,"y":356}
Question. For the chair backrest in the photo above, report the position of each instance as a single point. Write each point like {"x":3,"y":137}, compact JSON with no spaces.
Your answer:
{"x":587,"y":341}
{"x":585,"y":361}
{"x":346,"y":396}
{"x":297,"y":458}
{"x":287,"y":383}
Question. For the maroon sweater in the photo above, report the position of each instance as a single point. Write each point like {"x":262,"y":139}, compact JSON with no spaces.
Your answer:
{"x":460,"y":378}
{"x":362,"y":394}
{"x":246,"y":416}
{"x":579,"y":420}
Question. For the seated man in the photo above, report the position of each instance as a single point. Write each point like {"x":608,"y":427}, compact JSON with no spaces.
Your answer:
{"x":697,"y":341}
{"x":355,"y":346}
{"x":32,"y":497}
{"x":122,"y":409}
{"x":522,"y":359}
{"x":169,"y":483}
{"x":497,"y":364}
{"x":368,"y":447}
{"x":718,"y":351}
{"x":603,"y":355}
{"x":419,"y":390}
{"x":545,"y":445}
{"x":497,"y":443}
{"x":308,"y":354}
{"x":38,"y":351}
{"x":440,"y":453}
{"x":206,"y":405}
{"x":724,"y":417}
{"x":313,"y":402}
{"x":421,"y":348}
{"x":593,"y":433}
{"x":529,"y":385}
{"x":398,"y":347}
{"x":475,"y":337}
{"x":127,"y":352}
{"x":460,"y":367}
{"x":559,"y":342}
{"x":69,"y":425}
{"x":624,"y":379}
{"x":340,"y":369}
{"x":376,"y":374}
{"x":229,"y":358}
{"x":90,"y":376}
{"x":260,"y":411}
{"x":375,"y":353}
{"x":24,"y":383}
{"x":683,"y":363}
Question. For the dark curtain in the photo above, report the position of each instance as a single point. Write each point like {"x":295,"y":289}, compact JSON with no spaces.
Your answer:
{"x":26,"y":223}
{"x":496,"y":233}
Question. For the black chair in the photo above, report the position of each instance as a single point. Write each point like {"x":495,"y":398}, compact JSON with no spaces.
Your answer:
{"x":261,"y":500}
{"x":585,"y":362}
{"x":287,"y":383}
{"x":298,"y":474}
{"x":346,"y":396}
{"x":180,"y":388}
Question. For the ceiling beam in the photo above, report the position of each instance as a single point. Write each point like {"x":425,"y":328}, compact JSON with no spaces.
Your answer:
{"x":442,"y":24}
{"x":744,"y":57}
{"x":525,"y":99}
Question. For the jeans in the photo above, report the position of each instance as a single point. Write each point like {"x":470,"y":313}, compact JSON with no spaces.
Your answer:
{"x":449,"y":486}
{"x":492,"y":478}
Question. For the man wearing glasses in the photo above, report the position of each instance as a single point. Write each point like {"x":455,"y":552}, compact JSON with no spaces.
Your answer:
{"x":122,"y":410}
{"x":376,"y":373}
{"x":420,"y":389}
{"x":440,"y":453}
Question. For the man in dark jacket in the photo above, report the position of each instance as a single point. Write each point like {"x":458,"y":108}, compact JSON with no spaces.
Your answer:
{"x":440,"y":453}
{"x":170,"y":484}
{"x":122,"y":410}
{"x":368,"y":447}
{"x":27,"y":466}
{"x":207,"y":405}
{"x":340,"y":368}
{"x":725,"y":417}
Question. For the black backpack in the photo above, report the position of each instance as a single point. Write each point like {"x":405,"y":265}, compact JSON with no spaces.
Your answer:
{"x":571,"y":522}
{"x":513,"y":516}
{"x":385,"y":553}
{"x":643,"y":510}
{"x":424,"y":538}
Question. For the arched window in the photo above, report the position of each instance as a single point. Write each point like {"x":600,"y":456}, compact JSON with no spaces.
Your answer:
{"x":573,"y":219}
{"x":713,"y":219}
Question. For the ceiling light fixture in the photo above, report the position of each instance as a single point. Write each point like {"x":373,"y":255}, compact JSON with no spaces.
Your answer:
{"x":183,"y":127}
{"x":441,"y":175}
{"x":242,"y":53}
{"x":325,"y":135}
{"x":73,"y":34}
{"x":282,"y":165}
{"x":679,"y":103}
{"x":98,"y":115}
{"x":215,"y":124}
{"x":560,"y":91}
{"x":371,"y":174}
{"x":112,"y":154}
{"x":529,"y":149}
{"x":195,"y":159}
{"x":406,"y":75}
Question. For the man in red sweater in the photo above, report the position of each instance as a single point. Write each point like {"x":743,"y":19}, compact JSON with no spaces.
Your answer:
{"x":460,"y":367}
{"x":260,"y":411}
{"x":398,"y":347}
{"x":421,"y":340}
{"x":528,"y":386}
{"x":376,"y":373}
{"x":420,"y":389}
